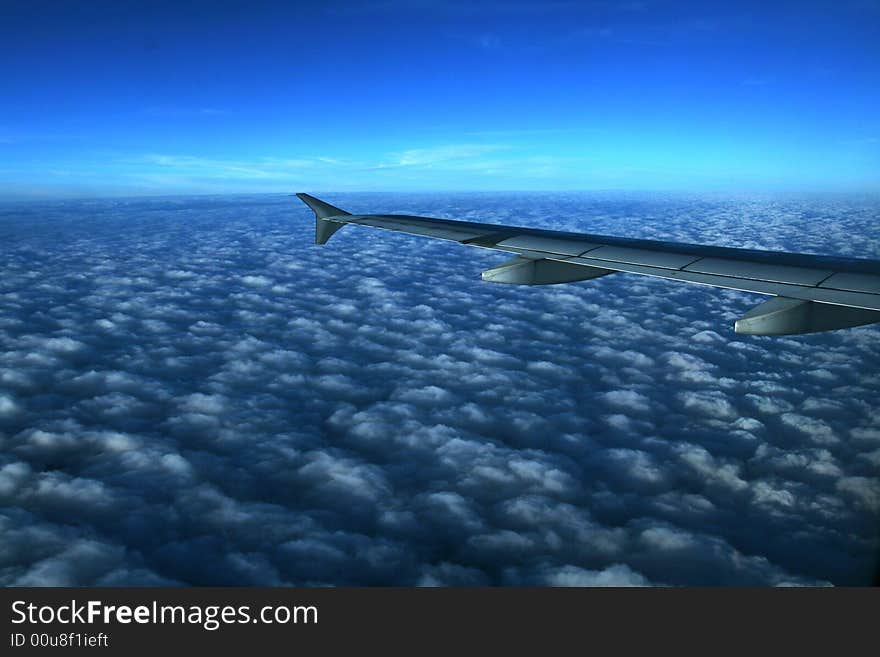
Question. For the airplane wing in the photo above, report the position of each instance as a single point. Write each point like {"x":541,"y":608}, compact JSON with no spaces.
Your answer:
{"x":809,"y":293}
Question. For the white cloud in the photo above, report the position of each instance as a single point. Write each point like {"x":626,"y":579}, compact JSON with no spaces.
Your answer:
{"x":615,"y":575}
{"x":8,"y":406}
{"x":189,"y":410}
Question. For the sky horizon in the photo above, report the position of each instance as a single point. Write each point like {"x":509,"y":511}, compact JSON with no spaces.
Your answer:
{"x":135,"y":99}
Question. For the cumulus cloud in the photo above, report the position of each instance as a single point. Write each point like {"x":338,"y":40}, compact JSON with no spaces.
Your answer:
{"x":192,"y":393}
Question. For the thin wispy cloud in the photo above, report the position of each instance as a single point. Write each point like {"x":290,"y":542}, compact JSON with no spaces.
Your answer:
{"x":526,"y":132}
{"x":153,"y":171}
{"x":860,"y":141}
{"x":184,"y":112}
{"x":13,"y":137}
{"x":757,"y":81}
{"x":440,"y":154}
{"x":460,"y":8}
{"x":259,"y":168}
{"x":488,"y":41}
{"x":449,"y":155}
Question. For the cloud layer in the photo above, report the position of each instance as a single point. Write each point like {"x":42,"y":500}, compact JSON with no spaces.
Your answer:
{"x":193,"y":393}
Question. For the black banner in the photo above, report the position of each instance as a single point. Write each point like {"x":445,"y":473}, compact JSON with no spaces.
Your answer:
{"x":274,"y":620}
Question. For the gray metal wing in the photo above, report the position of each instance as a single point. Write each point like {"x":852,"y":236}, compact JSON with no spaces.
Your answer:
{"x":810,"y":293}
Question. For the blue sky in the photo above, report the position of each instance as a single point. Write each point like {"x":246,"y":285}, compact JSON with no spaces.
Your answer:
{"x":118,"y":98}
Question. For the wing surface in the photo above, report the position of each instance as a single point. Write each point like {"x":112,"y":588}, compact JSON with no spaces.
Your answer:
{"x":824,"y":292}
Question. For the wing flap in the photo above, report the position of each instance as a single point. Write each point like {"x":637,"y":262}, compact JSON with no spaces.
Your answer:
{"x":760,"y":271}
{"x":853,"y":282}
{"x":548,"y":244}
{"x":663,"y":259}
